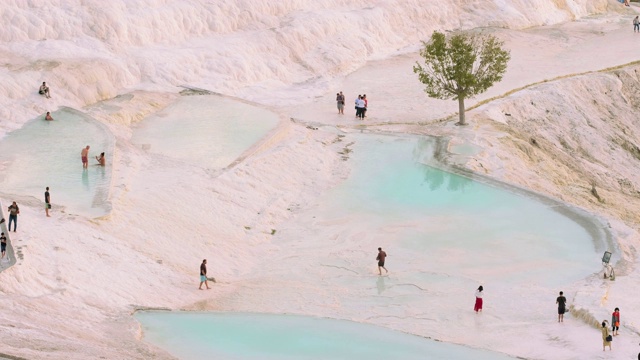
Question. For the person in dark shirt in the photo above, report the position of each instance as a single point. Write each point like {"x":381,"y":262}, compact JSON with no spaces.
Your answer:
{"x":561,"y":301}
{"x":3,"y":244}
{"x":47,"y":202}
{"x":14,"y":210}
{"x":203,"y":275}
{"x":381,"y":256}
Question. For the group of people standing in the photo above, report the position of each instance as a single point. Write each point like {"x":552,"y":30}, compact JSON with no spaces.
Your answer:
{"x":84,"y":156}
{"x":361,"y":104}
{"x":607,"y":336}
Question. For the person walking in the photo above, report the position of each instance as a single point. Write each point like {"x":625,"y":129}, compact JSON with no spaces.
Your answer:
{"x":615,"y":322}
{"x":3,"y":244}
{"x":340,"y":102}
{"x":203,"y":275}
{"x":636,"y":24}
{"x":360,"y":107}
{"x":47,"y":202}
{"x":478,"y":305}
{"x":381,"y":256}
{"x":84,"y":155}
{"x":561,"y":301}
{"x":14,"y":210}
{"x":606,"y":337}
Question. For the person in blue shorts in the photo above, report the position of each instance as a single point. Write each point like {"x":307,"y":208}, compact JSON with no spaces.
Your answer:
{"x":203,"y":275}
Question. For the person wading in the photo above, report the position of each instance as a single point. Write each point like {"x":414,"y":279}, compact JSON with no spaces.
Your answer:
{"x":381,"y":257}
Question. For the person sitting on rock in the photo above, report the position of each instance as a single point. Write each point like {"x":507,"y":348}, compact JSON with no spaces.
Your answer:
{"x":44,"y":90}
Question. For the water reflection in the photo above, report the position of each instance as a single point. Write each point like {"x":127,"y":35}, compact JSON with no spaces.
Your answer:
{"x":85,"y":178}
{"x":380,"y":285}
{"x":437,"y":178}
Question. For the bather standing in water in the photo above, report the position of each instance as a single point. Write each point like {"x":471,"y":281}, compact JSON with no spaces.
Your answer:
{"x":84,"y":154}
{"x":100,"y":159}
{"x":48,"y":117}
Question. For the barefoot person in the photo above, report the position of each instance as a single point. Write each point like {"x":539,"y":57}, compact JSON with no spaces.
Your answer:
{"x":381,"y":256}
{"x":340,"y":101}
{"x":3,"y":244}
{"x":615,"y":322}
{"x":44,"y":90}
{"x":606,"y":336}
{"x":203,"y":274}
{"x":47,"y":202}
{"x":14,"y":211}
{"x":84,"y":155}
{"x":48,"y":117}
{"x":100,"y":159}
{"x":561,"y":301}
{"x":478,"y":305}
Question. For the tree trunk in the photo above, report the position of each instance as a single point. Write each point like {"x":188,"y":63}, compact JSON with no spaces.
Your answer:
{"x":461,"y":111}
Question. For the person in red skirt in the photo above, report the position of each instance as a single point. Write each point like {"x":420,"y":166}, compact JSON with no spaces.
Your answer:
{"x":478,"y":306}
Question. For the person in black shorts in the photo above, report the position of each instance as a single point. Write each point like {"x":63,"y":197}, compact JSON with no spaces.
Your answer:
{"x":47,"y":202}
{"x":3,"y":244}
{"x":381,"y":256}
{"x":561,"y":301}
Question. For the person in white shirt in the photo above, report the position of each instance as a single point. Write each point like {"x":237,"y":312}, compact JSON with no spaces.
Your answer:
{"x":360,"y":106}
{"x":478,"y":306}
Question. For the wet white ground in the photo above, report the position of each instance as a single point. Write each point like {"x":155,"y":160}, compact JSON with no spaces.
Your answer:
{"x":73,"y":293}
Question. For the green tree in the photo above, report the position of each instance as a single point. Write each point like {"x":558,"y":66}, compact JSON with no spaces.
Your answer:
{"x":461,"y":66}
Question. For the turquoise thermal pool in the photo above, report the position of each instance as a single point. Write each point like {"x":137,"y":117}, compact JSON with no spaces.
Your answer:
{"x":445,"y":234}
{"x":438,"y":220}
{"x":239,"y":336}
{"x":47,"y":153}
{"x":205,"y":130}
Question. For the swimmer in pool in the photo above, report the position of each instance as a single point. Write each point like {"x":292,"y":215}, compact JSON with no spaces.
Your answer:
{"x":100,"y":159}
{"x":48,"y":117}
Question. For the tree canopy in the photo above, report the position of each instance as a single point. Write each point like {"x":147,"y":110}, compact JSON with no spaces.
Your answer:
{"x":461,"y":66}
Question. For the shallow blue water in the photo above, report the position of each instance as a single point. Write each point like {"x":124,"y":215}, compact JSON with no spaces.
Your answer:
{"x":47,"y":153}
{"x":228,"y":336}
{"x":208,"y":131}
{"x":473,"y":228}
{"x":445,"y":235}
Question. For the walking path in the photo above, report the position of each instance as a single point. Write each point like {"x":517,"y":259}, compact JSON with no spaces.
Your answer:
{"x":537,"y":54}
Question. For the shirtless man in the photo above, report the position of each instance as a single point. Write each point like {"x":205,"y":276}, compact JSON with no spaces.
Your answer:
{"x":48,"y":117}
{"x":381,"y":256}
{"x":85,"y":157}
{"x":44,"y":90}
